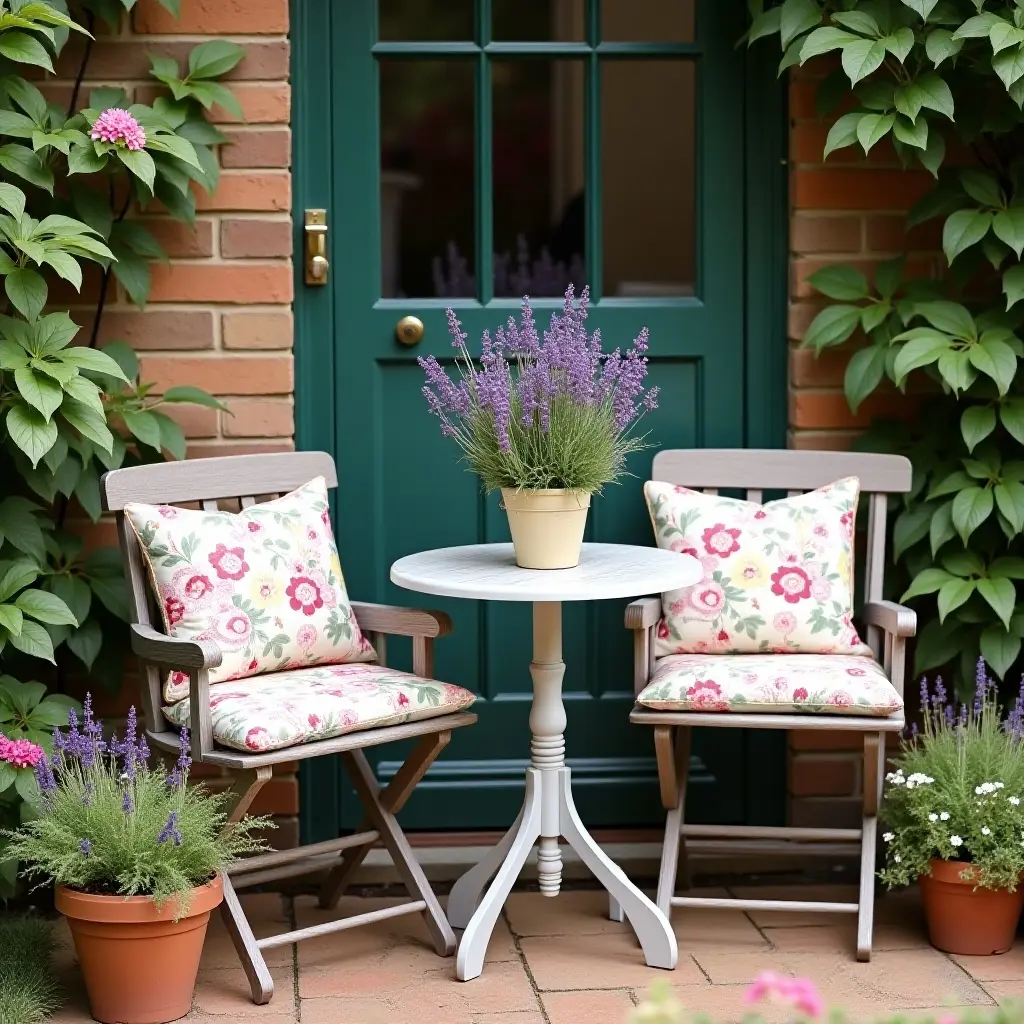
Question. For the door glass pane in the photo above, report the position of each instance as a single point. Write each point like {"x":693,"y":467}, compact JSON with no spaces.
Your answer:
{"x":426,"y":193}
{"x":648,"y":161}
{"x":425,"y":19}
{"x":538,"y":20}
{"x":653,"y":21}
{"x":538,"y":177}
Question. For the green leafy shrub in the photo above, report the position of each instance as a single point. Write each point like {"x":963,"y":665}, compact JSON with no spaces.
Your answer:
{"x":934,"y":78}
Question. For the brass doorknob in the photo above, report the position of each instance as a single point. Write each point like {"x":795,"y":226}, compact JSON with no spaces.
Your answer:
{"x":409,"y":330}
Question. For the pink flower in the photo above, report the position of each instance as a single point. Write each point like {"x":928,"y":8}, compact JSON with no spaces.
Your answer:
{"x":167,"y":511}
{"x":662,"y":630}
{"x":230,"y":563}
{"x":706,"y":599}
{"x":791,"y":583}
{"x":305,"y":595}
{"x":799,"y":992}
{"x":840,"y":699}
{"x":800,"y":693}
{"x":253,"y":526}
{"x":20,"y":753}
{"x":175,"y":610}
{"x":197,"y":587}
{"x":305,"y":636}
{"x":720,"y":541}
{"x":257,"y":738}
{"x":314,"y":721}
{"x":785,"y":623}
{"x":178,"y":679}
{"x":706,"y":694}
{"x":119,"y":127}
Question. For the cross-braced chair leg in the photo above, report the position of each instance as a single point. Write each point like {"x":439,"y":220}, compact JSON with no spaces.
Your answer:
{"x":398,"y":846}
{"x":673,"y":753}
{"x":874,"y":771}
{"x":394,"y":796}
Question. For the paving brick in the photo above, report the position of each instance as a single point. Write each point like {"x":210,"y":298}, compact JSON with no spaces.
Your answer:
{"x":158,"y":328}
{"x":214,"y":17}
{"x":249,"y":190}
{"x":574,"y":1007}
{"x":260,"y":417}
{"x":257,"y":329}
{"x":266,"y":147}
{"x":239,"y":374}
{"x":251,"y":238}
{"x":222,"y":282}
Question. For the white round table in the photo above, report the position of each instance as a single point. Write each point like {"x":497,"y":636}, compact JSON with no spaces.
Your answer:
{"x":488,"y":572}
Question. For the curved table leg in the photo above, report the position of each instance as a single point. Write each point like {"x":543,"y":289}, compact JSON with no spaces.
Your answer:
{"x":468,"y":891}
{"x":651,"y":927}
{"x":615,"y":910}
{"x":472,"y":948}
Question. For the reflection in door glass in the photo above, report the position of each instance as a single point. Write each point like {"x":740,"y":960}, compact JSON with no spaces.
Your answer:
{"x":425,"y":19}
{"x":538,"y":177}
{"x":653,"y":21}
{"x":538,"y":20}
{"x":426,"y":194}
{"x":647,"y":175}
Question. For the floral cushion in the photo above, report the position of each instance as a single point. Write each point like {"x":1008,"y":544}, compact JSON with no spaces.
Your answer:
{"x":308,"y":704}
{"x":777,"y":577}
{"x":839,"y":684}
{"x":264,"y":584}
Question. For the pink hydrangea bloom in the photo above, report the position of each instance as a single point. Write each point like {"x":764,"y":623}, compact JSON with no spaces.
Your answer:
{"x":20,"y":753}
{"x":800,"y":993}
{"x":118,"y":126}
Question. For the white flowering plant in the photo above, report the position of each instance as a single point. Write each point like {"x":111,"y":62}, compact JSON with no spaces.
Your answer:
{"x":957,"y":791}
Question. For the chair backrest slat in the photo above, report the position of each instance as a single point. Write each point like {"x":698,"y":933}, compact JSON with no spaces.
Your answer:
{"x":247,"y":501}
{"x":711,"y":490}
{"x":211,"y":505}
{"x":754,"y":495}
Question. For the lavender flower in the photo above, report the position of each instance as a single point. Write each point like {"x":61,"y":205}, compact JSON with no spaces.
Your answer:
{"x":981,"y":684}
{"x":87,"y":793}
{"x":85,"y":846}
{"x":127,"y":805}
{"x":170,"y":832}
{"x":177,"y":777}
{"x":44,"y":776}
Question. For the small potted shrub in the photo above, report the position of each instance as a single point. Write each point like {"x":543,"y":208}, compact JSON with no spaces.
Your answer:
{"x":954,"y":818}
{"x":135,"y":853}
{"x":545,"y":420}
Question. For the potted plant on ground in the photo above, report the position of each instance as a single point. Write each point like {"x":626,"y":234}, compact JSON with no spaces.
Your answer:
{"x":954,"y":818}
{"x":545,"y":420}
{"x":135,"y":853}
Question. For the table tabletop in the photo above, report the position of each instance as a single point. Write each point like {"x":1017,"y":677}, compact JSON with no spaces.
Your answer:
{"x":488,"y":572}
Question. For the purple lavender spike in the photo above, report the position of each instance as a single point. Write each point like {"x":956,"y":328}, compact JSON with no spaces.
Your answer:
{"x":170,"y":831}
{"x":44,"y":776}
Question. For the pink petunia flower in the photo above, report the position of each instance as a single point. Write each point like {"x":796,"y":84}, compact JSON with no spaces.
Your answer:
{"x":119,"y":127}
{"x":798,"y":992}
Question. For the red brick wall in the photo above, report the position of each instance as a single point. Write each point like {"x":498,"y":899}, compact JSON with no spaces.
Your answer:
{"x":220,"y":311}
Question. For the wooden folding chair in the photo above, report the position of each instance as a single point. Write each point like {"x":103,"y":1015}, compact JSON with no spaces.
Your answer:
{"x":888,"y":625}
{"x":245,"y":478}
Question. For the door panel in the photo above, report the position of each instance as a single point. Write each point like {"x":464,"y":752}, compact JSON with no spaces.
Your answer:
{"x":475,"y":160}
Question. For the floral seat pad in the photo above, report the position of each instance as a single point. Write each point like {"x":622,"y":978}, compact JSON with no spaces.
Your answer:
{"x":283,"y":709}
{"x":838,"y":684}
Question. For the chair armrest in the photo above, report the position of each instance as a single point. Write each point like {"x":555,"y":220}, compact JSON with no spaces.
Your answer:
{"x":643,"y":613}
{"x":174,"y":652}
{"x":398,"y":621}
{"x":895,"y":619}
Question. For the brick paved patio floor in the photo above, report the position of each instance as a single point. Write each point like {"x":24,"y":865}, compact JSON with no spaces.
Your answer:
{"x":560,"y":961}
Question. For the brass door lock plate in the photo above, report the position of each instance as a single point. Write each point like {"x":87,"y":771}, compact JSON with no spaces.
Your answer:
{"x":315,"y":231}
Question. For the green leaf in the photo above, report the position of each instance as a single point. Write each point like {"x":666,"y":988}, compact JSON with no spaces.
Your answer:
{"x":797,"y":17}
{"x":19,"y":524}
{"x":864,"y":373}
{"x":963,"y":563}
{"x":87,"y":491}
{"x":953,"y":594}
{"x":31,"y":431}
{"x":978,"y":27}
{"x":144,"y":426}
{"x":971,"y":507}
{"x":214,"y":58}
{"x":12,"y":199}
{"x":87,"y":422}
{"x":861,"y":58}
{"x":874,"y":127}
{"x":1009,"y":227}
{"x":11,"y":618}
{"x":964,"y":229}
{"x":935,"y":152}
{"x":922,"y":7}
{"x":27,"y":291}
{"x":93,"y":208}
{"x":765,"y":23}
{"x":996,"y":359}
{"x":192,"y":395}
{"x":928,"y":581}
{"x":124,"y":355}
{"x":133,"y":272}
{"x":85,"y":160}
{"x":941,"y":528}
{"x":950,"y":317}
{"x":40,"y":391}
{"x":843,"y":133}
{"x":1007,"y":567}
{"x":1009,"y":65}
{"x":842,"y":283}
{"x":113,"y":595}
{"x":1013,"y":285}
{"x":25,"y":163}
{"x":1001,"y":596}
{"x":1000,"y":649}
{"x":140,"y":163}
{"x":86,"y":641}
{"x":832,"y":326}
{"x":936,"y":94}
{"x":977,"y":422}
{"x":956,"y":370}
{"x":25,"y":49}
{"x":46,"y":607}
{"x":94,"y":360}
{"x":18,"y":576}
{"x":981,"y":186}
{"x":1009,"y":496}
{"x":923,"y":346}
{"x":74,"y":592}
{"x":171,"y":435}
{"x":823,"y":40}
{"x":900,"y":43}
{"x":912,"y":134}
{"x":1011,"y":415}
{"x":139,"y":239}
{"x":209,"y":93}
{"x":941,"y":45}
{"x":911,"y":526}
{"x":887,"y":276}
{"x":35,"y":641}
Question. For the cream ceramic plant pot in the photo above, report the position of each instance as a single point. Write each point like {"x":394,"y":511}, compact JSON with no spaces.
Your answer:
{"x":547,"y":526}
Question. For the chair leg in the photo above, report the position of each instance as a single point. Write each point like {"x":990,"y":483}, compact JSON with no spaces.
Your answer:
{"x":397,"y":845}
{"x":253,"y":780}
{"x":874,"y":771}
{"x":398,"y":790}
{"x":261,"y":984}
{"x":673,"y":851}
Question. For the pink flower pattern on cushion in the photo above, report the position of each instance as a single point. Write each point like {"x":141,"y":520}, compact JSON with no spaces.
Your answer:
{"x":841,"y":684}
{"x":303,"y":705}
{"x":777,"y":578}
{"x":265,"y":584}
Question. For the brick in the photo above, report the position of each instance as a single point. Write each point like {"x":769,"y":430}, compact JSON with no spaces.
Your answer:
{"x":808,"y":369}
{"x":278,"y":796}
{"x":259,"y":417}
{"x":261,"y":102}
{"x":822,"y":189}
{"x":809,"y":233}
{"x":244,"y":237}
{"x":94,"y":535}
{"x":194,"y":420}
{"x":825,"y":812}
{"x":829,"y":408}
{"x":159,"y":328}
{"x":248,"y":190}
{"x":823,"y":440}
{"x":214,"y":17}
{"x":889,"y":234}
{"x":262,"y":147}
{"x":262,"y":329}
{"x":203,"y":282}
{"x":800,"y":316}
{"x":819,"y":776}
{"x":182,"y":240}
{"x":801,"y":269}
{"x":235,"y":374}
{"x":217,"y":449}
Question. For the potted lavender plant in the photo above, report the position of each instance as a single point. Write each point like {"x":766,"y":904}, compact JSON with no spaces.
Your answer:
{"x":547,"y":421}
{"x":136,"y":854}
{"x":954,"y":818}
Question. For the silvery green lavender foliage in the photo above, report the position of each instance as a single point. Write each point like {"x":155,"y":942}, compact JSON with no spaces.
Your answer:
{"x":109,"y":823}
{"x":547,"y":412}
{"x":958,"y":790}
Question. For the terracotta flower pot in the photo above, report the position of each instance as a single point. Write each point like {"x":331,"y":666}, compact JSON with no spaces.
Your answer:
{"x":965,"y":920}
{"x":139,"y":964}
{"x":546,"y":525}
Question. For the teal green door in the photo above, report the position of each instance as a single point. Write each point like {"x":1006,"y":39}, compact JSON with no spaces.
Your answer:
{"x":480,"y":151}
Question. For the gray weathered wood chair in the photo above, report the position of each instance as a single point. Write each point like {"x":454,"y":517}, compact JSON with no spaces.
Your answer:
{"x":888,"y":625}
{"x":245,"y":478}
